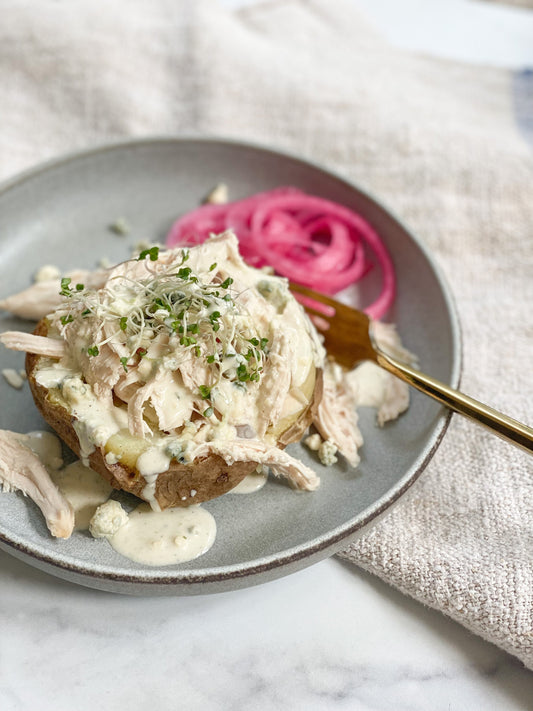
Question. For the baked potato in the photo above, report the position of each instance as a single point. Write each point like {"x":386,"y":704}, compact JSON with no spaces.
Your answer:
{"x":181,"y":484}
{"x":228,"y":432}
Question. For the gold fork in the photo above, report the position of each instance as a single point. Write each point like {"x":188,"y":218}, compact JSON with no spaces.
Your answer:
{"x":348,"y":339}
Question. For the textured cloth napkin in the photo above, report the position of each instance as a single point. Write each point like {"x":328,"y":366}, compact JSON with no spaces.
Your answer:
{"x":446,"y":146}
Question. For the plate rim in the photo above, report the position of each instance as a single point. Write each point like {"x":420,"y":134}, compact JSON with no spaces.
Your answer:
{"x":335,"y":539}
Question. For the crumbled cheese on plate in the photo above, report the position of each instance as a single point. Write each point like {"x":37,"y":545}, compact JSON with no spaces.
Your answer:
{"x":107,"y":519}
{"x":327,"y":452}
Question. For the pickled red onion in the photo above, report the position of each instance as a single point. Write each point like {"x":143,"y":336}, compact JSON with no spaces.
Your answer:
{"x":310,"y":240}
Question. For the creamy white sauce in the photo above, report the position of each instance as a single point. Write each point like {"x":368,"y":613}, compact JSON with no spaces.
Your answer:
{"x":95,"y":422}
{"x":150,"y":464}
{"x":145,"y":536}
{"x":167,"y":537}
{"x":251,"y":483}
{"x":50,"y":376}
{"x":369,"y":381}
{"x":153,"y":461}
{"x":46,"y":446}
{"x":84,"y":489}
{"x":148,"y":491}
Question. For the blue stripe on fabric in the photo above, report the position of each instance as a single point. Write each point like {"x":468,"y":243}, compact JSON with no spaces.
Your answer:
{"x":523,"y":102}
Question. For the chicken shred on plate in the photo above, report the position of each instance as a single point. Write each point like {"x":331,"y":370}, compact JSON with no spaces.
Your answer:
{"x":22,"y":470}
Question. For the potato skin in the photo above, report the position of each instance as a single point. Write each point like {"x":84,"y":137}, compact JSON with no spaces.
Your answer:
{"x":182,"y":484}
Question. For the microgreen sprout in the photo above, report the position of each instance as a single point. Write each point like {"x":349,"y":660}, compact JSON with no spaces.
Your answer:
{"x":205,"y":392}
{"x":65,"y":287}
{"x":187,"y":341}
{"x":152,"y":252}
{"x":242,"y":373}
{"x":186,"y":312}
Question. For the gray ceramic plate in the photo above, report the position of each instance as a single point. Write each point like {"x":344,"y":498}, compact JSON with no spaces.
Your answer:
{"x":59,"y":214}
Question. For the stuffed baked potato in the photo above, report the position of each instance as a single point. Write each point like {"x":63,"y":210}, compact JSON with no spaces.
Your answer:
{"x":180,"y":375}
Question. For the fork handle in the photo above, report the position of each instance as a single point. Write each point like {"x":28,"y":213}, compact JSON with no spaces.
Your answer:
{"x":505,"y":427}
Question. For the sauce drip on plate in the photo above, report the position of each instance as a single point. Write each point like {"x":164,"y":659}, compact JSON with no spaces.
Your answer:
{"x":165,"y":537}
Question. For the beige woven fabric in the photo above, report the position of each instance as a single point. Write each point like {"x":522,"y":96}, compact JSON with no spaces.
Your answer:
{"x":528,"y":4}
{"x":436,"y":141}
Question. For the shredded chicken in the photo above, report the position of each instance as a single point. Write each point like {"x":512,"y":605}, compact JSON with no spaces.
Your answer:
{"x":43,"y":297}
{"x":275,"y":385}
{"x":388,"y":394}
{"x":171,"y":409}
{"x":136,"y":424}
{"x":395,"y":400}
{"x":253,"y":450}
{"x":40,"y":345}
{"x":127,"y":385}
{"x":396,"y":392}
{"x":102,"y":373}
{"x":21,"y":469}
{"x":388,"y":339}
{"x":192,"y":372}
{"x":336,"y":418}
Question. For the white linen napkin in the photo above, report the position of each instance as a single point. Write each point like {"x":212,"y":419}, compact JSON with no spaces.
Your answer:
{"x":443,"y":144}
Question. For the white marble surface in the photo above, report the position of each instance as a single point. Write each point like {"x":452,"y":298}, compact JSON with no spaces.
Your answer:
{"x":329,"y":637}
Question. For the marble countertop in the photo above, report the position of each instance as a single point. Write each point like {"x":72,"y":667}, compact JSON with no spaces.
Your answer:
{"x":328,"y":637}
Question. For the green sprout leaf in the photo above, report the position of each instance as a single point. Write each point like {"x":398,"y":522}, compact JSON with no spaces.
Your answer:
{"x":205,"y":392}
{"x":65,"y":287}
{"x":152,"y":252}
